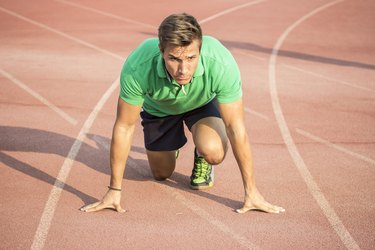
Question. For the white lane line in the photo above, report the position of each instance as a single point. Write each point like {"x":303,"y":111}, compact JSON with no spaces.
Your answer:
{"x":54,"y":196}
{"x":260,"y":115}
{"x":40,"y":98}
{"x":328,"y":211}
{"x":105,"y":13}
{"x":329,"y":78}
{"x":238,"y":51}
{"x":222,"y":13}
{"x":102,"y":142}
{"x":332,"y":145}
{"x":60,"y":33}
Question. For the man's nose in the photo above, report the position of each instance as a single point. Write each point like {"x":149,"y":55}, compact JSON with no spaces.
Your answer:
{"x":182,"y":67}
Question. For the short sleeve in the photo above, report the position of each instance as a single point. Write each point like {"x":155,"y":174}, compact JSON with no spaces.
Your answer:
{"x":228,"y":83}
{"x":130,"y":89}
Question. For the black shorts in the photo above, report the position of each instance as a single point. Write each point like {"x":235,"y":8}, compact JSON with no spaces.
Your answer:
{"x":167,"y":133}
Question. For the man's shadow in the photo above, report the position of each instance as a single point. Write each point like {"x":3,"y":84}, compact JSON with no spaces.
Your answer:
{"x":20,"y":139}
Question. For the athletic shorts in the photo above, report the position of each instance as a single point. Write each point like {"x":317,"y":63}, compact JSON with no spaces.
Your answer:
{"x":167,"y":133}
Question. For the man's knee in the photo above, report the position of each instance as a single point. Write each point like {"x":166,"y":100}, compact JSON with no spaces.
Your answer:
{"x":162,"y":172}
{"x":213,"y":155}
{"x":162,"y":164}
{"x":161,"y":176}
{"x":214,"y":159}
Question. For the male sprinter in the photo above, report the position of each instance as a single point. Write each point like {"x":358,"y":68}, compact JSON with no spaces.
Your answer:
{"x":181,"y":77}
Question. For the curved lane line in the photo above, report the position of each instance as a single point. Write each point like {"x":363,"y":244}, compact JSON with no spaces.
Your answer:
{"x":328,"y":211}
{"x":222,"y":13}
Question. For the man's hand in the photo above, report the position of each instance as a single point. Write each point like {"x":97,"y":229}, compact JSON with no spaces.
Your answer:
{"x":110,"y":200}
{"x":257,"y":202}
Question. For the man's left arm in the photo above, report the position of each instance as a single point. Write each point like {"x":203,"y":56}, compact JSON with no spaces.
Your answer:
{"x":233,"y":117}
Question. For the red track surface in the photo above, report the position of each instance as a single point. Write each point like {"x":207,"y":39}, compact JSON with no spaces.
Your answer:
{"x":308,"y":70}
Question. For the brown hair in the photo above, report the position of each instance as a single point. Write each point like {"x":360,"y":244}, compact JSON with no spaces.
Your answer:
{"x":179,"y":30}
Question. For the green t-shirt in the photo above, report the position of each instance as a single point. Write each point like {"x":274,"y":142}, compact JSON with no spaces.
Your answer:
{"x":144,"y":79}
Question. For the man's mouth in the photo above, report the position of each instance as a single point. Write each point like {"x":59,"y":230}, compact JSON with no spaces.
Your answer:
{"x":182,"y":78}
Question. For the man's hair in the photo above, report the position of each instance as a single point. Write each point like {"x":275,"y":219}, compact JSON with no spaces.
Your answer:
{"x":179,"y":30}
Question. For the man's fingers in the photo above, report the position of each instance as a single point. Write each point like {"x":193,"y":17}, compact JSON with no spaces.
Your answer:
{"x":90,"y":206}
{"x":95,"y":207}
{"x":110,"y":200}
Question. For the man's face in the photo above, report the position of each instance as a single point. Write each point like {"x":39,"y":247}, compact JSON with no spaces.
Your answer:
{"x":182,"y":61}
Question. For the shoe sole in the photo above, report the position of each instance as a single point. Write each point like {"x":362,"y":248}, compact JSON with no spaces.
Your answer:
{"x":202,"y":187}
{"x":205,"y":186}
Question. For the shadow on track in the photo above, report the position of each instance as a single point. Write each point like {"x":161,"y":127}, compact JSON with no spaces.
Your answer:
{"x":296,"y":55}
{"x":20,"y":139}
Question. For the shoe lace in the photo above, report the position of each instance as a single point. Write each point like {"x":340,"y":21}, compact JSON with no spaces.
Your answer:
{"x":202,"y":167}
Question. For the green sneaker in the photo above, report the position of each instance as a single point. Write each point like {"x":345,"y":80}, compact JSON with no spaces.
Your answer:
{"x":202,"y":174}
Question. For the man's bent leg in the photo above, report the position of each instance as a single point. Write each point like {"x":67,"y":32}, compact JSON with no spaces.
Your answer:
{"x":210,"y":139}
{"x":211,"y":145}
{"x":162,"y":163}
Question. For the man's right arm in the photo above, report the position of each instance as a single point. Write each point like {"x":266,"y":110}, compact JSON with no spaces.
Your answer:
{"x":123,"y":130}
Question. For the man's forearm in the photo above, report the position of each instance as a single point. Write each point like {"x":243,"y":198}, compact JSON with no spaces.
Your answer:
{"x":242,"y":152}
{"x":120,"y":147}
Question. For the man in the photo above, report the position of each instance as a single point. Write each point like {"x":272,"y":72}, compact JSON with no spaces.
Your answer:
{"x":182,"y":77}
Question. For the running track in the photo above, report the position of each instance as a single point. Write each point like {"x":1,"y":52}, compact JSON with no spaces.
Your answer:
{"x":308,"y":70}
